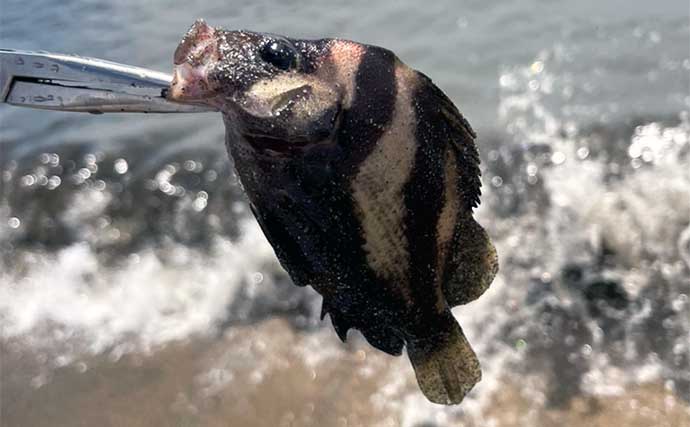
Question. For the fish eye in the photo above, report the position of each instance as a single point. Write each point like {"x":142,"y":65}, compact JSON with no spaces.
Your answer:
{"x":280,"y":54}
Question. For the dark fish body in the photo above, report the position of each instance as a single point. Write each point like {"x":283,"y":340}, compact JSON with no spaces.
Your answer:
{"x":363,"y":176}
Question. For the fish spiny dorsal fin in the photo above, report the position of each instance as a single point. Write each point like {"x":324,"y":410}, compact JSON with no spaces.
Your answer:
{"x":460,"y":137}
{"x":470,"y":262}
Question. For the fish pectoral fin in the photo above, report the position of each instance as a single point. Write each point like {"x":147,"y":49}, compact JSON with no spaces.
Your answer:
{"x":283,"y":243}
{"x":445,"y":365}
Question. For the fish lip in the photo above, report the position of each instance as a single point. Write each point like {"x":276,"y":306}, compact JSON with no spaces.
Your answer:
{"x":189,"y":84}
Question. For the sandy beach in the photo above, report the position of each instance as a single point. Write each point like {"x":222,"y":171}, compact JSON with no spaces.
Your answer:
{"x":215,"y":382}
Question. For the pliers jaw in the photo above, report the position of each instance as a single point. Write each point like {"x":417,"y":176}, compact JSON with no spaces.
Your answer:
{"x":73,"y":83}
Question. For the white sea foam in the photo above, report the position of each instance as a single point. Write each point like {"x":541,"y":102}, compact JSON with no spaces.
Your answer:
{"x":71,"y":296}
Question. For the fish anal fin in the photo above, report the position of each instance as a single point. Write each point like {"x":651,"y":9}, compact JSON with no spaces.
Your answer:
{"x":384,"y":339}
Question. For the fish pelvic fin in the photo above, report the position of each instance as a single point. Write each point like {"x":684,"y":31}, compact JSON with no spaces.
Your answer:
{"x":340,"y":324}
{"x":445,"y":365}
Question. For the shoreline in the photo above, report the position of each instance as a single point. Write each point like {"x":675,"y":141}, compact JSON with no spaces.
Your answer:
{"x":269,"y":374}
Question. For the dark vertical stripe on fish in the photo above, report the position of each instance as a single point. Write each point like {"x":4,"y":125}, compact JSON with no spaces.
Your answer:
{"x":372,"y":106}
{"x":424,"y":198}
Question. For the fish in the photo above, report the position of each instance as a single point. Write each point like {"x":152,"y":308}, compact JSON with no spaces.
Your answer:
{"x":363,"y":175}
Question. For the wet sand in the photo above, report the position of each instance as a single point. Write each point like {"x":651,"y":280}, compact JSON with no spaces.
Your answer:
{"x":266,"y":375}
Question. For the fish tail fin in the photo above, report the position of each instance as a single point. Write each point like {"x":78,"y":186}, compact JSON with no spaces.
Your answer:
{"x":445,"y":365}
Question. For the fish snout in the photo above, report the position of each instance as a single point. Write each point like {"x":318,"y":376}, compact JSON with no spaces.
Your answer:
{"x":195,"y":58}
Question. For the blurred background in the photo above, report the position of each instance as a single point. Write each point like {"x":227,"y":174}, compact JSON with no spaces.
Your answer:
{"x":137,"y":290}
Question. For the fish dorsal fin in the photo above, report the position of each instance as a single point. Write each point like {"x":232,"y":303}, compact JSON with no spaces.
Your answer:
{"x":472,"y":262}
{"x":459,"y":135}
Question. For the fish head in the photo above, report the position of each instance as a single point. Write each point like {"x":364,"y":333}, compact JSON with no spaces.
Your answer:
{"x":268,"y":86}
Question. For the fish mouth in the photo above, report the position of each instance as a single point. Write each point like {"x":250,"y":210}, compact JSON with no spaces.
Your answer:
{"x":277,"y":146}
{"x":195,"y":57}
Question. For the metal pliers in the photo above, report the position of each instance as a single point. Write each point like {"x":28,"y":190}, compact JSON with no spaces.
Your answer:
{"x":74,"y":83}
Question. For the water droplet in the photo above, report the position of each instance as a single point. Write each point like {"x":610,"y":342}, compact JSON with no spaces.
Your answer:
{"x":84,"y":173}
{"x":14,"y":222}
{"x":507,"y":81}
{"x":256,"y":377}
{"x":189,"y":165}
{"x":647,"y":155}
{"x":54,"y":182}
{"x":38,"y":381}
{"x":199,"y":204}
{"x":61,"y":361}
{"x":586,"y":350}
{"x":654,"y":37}
{"x":537,"y":67}
{"x":237,"y":208}
{"x":679,"y":302}
{"x":166,"y":187}
{"x":558,"y":158}
{"x":28,"y":180}
{"x":497,"y":181}
{"x":114,"y":234}
{"x":99,"y":185}
{"x":668,"y":323}
{"x":121,"y":166}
